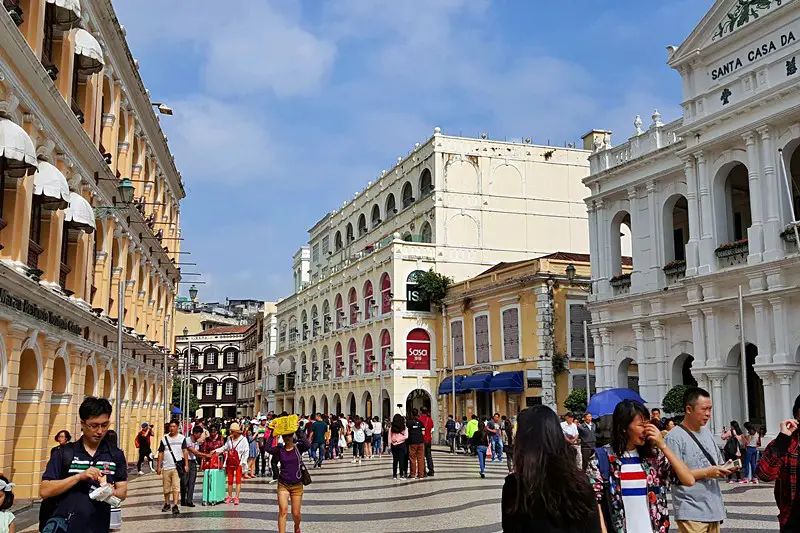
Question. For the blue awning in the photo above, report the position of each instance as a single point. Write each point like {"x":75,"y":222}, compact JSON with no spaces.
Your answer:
{"x":476,"y":382}
{"x":446,"y":386}
{"x":507,"y":381}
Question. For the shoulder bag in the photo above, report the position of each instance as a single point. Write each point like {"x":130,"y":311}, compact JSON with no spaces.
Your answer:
{"x":702,"y":449}
{"x":179,"y":467}
{"x":305,"y":476}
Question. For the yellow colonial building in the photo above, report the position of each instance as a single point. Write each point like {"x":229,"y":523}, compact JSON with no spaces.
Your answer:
{"x":89,"y":212}
{"x":513,"y":337}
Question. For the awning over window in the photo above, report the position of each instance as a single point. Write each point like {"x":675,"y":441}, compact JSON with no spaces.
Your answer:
{"x":89,"y":52}
{"x":507,"y":381}
{"x":446,"y":386}
{"x":16,"y":149}
{"x":51,"y":185}
{"x":477,"y":382}
{"x":79,"y":213}
{"x":286,"y":366}
{"x":67,"y":12}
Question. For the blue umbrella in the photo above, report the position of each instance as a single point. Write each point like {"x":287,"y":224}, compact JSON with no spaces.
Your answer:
{"x":604,"y":403}
{"x":176,"y":411}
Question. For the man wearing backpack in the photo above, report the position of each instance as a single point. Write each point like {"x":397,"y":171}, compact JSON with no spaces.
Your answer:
{"x":77,"y":469}
{"x":698,"y":509}
{"x":451,"y":426}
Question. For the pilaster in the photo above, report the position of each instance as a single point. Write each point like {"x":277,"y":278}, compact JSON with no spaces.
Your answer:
{"x":773,"y":247}
{"x":755,"y":234}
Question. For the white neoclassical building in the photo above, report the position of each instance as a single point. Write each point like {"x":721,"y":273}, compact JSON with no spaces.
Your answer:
{"x":706,"y":207}
{"x":354,"y":337}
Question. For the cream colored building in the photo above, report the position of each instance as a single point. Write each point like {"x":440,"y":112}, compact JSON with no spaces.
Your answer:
{"x":355,"y":336}
{"x":76,"y":130}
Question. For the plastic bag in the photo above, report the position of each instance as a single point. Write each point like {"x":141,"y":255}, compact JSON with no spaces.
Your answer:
{"x":285,"y":425}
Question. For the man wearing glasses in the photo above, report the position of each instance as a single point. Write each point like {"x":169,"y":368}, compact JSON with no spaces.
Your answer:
{"x":76,"y":469}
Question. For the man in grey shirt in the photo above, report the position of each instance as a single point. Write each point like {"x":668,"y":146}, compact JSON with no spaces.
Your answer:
{"x":698,"y":509}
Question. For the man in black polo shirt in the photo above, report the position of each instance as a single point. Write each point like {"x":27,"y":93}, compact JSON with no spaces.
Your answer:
{"x":94,"y":462}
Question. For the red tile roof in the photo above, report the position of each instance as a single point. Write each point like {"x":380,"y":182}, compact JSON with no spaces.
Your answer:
{"x":225,"y":330}
{"x":557,"y":256}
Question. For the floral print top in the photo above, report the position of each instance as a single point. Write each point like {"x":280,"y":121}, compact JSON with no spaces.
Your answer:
{"x":659,"y":476}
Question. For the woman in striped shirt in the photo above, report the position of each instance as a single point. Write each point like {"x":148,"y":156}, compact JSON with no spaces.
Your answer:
{"x":631,"y":476}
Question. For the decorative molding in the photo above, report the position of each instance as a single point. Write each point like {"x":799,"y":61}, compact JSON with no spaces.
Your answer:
{"x":29,"y":396}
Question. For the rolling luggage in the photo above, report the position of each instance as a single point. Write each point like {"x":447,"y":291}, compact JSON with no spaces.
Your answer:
{"x":214,"y":486}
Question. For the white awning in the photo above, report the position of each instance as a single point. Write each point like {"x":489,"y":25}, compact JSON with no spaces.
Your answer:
{"x":79,"y":213}
{"x":90,"y":52}
{"x":287,"y":365}
{"x":16,"y":149}
{"x":51,"y":185}
{"x":67,"y":13}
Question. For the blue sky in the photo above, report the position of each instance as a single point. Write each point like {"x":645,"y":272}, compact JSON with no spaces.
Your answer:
{"x":285,"y":108}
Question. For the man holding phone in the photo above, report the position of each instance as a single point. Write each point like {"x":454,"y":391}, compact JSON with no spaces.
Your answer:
{"x":698,"y":509}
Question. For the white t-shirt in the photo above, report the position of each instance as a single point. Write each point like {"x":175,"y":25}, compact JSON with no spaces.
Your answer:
{"x":571,"y":430}
{"x":633,"y":482}
{"x":358,"y":432}
{"x":242,"y":447}
{"x":6,"y":518}
{"x":177,"y":444}
{"x":367,"y":428}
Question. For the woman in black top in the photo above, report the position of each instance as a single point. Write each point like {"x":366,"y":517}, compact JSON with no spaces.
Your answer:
{"x":480,"y":443}
{"x":547,"y":493}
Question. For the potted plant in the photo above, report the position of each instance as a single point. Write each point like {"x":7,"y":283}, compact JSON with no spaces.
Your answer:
{"x":620,"y":280}
{"x":787,"y":234}
{"x":732,"y":248}
{"x":675,"y":268}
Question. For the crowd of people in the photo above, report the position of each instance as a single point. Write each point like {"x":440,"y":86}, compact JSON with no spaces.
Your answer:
{"x":559,"y":479}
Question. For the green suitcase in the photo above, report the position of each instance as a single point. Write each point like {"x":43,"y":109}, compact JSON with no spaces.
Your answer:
{"x":214,"y":486}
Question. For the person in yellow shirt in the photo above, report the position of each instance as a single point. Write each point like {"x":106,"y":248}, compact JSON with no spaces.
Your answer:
{"x":472,"y":427}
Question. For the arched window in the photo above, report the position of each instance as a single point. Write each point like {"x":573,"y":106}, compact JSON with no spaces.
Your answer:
{"x":211,"y":358}
{"x":621,"y":237}
{"x":362,"y":225}
{"x":408,"y":195}
{"x":314,"y":321}
{"x":425,"y":183}
{"x":304,"y":324}
{"x":337,"y":241}
{"x":282,"y":336}
{"x":369,"y":358}
{"x":352,"y":357}
{"x":303,"y":368}
{"x":350,"y":235}
{"x":391,"y":208}
{"x":369,"y":301}
{"x":676,"y":228}
{"x":326,"y":316}
{"x":353,"y":303}
{"x":337,"y":352}
{"x":376,"y":215}
{"x":339,"y":311}
{"x":415,"y":300}
{"x":386,"y":348}
{"x":386,"y":294}
{"x":426,"y":233}
{"x":418,"y":350}
{"x":326,"y":363}
{"x":314,"y":365}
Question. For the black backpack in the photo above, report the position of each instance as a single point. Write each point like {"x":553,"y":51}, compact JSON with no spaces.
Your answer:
{"x":47,"y":523}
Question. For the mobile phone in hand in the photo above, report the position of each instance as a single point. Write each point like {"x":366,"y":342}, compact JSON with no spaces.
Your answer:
{"x":737,"y":464}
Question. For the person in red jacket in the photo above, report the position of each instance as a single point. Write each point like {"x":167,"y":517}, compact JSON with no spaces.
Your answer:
{"x":779,"y":463}
{"x":427,"y":435}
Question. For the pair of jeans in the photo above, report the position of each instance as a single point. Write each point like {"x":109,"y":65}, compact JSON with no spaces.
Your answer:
{"x":188,"y":483}
{"x":497,"y":448}
{"x":261,"y":461}
{"x":416,"y":454}
{"x":429,"y":457}
{"x":318,"y":452}
{"x":481,"y":457}
{"x":750,"y":459}
{"x":144,"y":453}
{"x":333,"y":448}
{"x":376,"y":444}
{"x":451,"y":441}
{"x":400,"y":458}
{"x":358,"y":450}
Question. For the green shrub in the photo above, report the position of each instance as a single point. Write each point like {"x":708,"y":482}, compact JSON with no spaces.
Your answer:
{"x":673,"y":401}
{"x":576,"y":401}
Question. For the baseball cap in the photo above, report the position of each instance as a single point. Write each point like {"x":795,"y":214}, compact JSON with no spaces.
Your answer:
{"x":144,"y":425}
{"x":235,"y":427}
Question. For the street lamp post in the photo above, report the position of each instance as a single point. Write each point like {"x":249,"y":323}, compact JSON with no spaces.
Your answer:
{"x":164,"y":390}
{"x":188,"y":361}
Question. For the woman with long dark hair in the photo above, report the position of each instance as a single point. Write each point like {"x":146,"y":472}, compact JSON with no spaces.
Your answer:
{"x":546,"y":493}
{"x":633,"y":483}
{"x":398,"y":435}
{"x":480,"y":443}
{"x":733,"y":448}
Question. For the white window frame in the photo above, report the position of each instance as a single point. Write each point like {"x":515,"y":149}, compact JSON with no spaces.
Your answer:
{"x":475,"y":336}
{"x":230,"y":357}
{"x":228,"y":385}
{"x":209,"y":356}
{"x":452,"y":344}
{"x":570,"y":302}
{"x":503,"y":332}
{"x":209,"y":389}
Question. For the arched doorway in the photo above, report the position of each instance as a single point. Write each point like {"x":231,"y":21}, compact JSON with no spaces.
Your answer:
{"x":351,"y":404}
{"x":324,"y":405}
{"x":732,"y":193}
{"x":756,"y":404}
{"x":417,"y":399}
{"x":682,"y":371}
{"x":59,"y":400}
{"x":386,"y":405}
{"x":366,"y":404}
{"x":313,"y":406}
{"x":676,"y":228}
{"x":621,"y":240}
{"x":628,"y":374}
{"x":107,"y":385}
{"x":27,"y":448}
{"x":88,"y":381}
{"x":337,"y":404}
{"x":301,"y":407}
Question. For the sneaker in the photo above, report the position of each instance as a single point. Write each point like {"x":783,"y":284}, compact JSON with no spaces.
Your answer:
{"x":189,"y":504}
{"x":353,"y":461}
{"x":273,"y":481}
{"x":430,"y":474}
{"x":359,"y":461}
{"x":742,"y":481}
{"x":483,"y":476}
{"x":236,"y":501}
{"x":394,"y":478}
{"x":227,"y":499}
{"x":165,"y":508}
{"x":754,"y":482}
{"x":140,"y":473}
{"x":730,"y":482}
{"x":175,"y":510}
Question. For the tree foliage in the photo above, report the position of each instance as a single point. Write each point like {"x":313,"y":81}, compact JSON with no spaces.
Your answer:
{"x":673,"y":401}
{"x":576,"y":401}
{"x":434,"y":286}
{"x":177,"y":389}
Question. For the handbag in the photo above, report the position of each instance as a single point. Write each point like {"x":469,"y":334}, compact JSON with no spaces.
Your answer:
{"x":305,"y":476}
{"x":179,"y":467}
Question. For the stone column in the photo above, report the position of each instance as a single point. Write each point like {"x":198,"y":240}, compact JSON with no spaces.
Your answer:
{"x":657,"y":259}
{"x":786,"y":400}
{"x":712,"y":337}
{"x":644,"y":363}
{"x":598,"y":361}
{"x":608,"y":359}
{"x":781,"y":331}
{"x":603,"y":266}
{"x":755,"y":234}
{"x":639,"y":266}
{"x":772,"y":402}
{"x":698,"y":337}
{"x":660,"y":358}
{"x":692,"y":258}
{"x":762,"y":334}
{"x":773,"y":185}
{"x":708,"y":261}
{"x":594,"y":245}
{"x":720,"y":409}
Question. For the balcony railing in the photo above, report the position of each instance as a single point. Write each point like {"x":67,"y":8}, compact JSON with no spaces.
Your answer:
{"x":621,"y":283}
{"x":675,"y":270}
{"x":34,"y":251}
{"x":733,"y":253}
